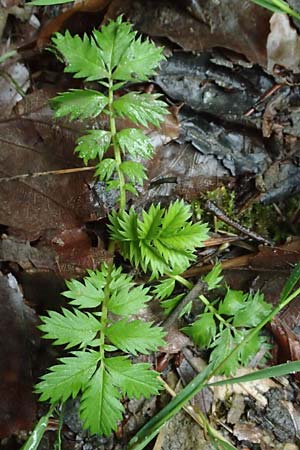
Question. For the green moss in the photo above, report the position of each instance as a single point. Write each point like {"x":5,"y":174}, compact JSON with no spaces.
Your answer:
{"x":275,"y":221}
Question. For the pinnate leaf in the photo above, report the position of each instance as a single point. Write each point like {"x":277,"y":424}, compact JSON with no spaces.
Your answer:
{"x":214,"y":277}
{"x":68,"y":378}
{"x":141,"y":109}
{"x":155,"y":246}
{"x":135,"y":143}
{"x":222,"y":347}
{"x":128,"y":300}
{"x":123,"y":228}
{"x":93,"y":145}
{"x":139,"y":61}
{"x":150,"y":226}
{"x":105,"y":169}
{"x":164,"y":288}
{"x":203,"y":330}
{"x":134,"y":380}
{"x":234,"y":300}
{"x":250,"y":347}
{"x":175,"y":216}
{"x":100,"y":407}
{"x":136,"y":336}
{"x":254,"y":311}
{"x":87,"y":294}
{"x":169,"y":304}
{"x":113,"y":40}
{"x":79,"y":103}
{"x":134,"y":171}
{"x":82,"y":56}
{"x":120,"y":280}
{"x":61,"y":328}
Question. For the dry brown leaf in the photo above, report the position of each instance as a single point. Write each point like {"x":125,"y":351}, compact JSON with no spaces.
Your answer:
{"x":17,"y":407}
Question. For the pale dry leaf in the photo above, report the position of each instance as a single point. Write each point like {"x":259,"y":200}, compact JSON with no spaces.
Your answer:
{"x":283,"y":44}
{"x":255,"y":389}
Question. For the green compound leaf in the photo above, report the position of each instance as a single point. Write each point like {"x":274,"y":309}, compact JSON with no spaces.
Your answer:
{"x":123,"y":228}
{"x":134,"y":380}
{"x":250,"y":348}
{"x":226,"y":342}
{"x":60,"y":328}
{"x":141,"y":109}
{"x":136,"y":336}
{"x":169,"y":304}
{"x":120,"y":280}
{"x":87,"y":294}
{"x":214,"y":277}
{"x":134,"y":171}
{"x":175,"y":216}
{"x":203,"y":331}
{"x":139,"y":61}
{"x":82,"y":56}
{"x":223,"y":346}
{"x":254,"y":311}
{"x":105,"y":169}
{"x":129,"y":187}
{"x":233,"y":302}
{"x":79,"y":103}
{"x":112,"y":185}
{"x":93,"y":145}
{"x":149,"y":227}
{"x":135,"y":143}
{"x":128,"y":300}
{"x":68,"y":378}
{"x":158,"y":246}
{"x":164,"y":288}
{"x":100,"y":407}
{"x":113,"y":40}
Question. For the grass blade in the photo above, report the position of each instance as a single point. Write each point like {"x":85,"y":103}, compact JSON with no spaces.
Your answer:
{"x":275,"y":371}
{"x":151,"y":428}
{"x":290,"y":283}
{"x":38,"y":432}
{"x":277,"y":6}
{"x":48,"y":2}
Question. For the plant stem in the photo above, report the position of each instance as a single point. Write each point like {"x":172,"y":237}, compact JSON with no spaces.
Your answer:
{"x":117,"y":152}
{"x":213,"y":310}
{"x":104,"y":312}
{"x":181,"y":280}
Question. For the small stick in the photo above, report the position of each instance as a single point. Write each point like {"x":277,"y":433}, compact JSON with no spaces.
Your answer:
{"x":212,"y":207}
{"x":199,"y":288}
{"x":263,"y":97}
{"x":49,"y":172}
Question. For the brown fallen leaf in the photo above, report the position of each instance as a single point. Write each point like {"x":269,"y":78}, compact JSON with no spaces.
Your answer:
{"x":17,"y":406}
{"x":288,"y":342}
{"x":197,"y":25}
{"x":56,"y":24}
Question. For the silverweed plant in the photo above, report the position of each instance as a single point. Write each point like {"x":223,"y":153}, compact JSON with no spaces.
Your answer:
{"x":161,"y":241}
{"x":224,"y":324}
{"x":99,"y":327}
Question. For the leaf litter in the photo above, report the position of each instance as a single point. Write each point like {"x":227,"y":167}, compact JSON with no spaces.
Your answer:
{"x":52,"y":223}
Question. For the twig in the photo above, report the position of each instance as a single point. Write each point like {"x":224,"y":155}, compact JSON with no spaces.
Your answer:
{"x":212,"y":207}
{"x":199,"y":288}
{"x":262,"y":98}
{"x":49,"y":172}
